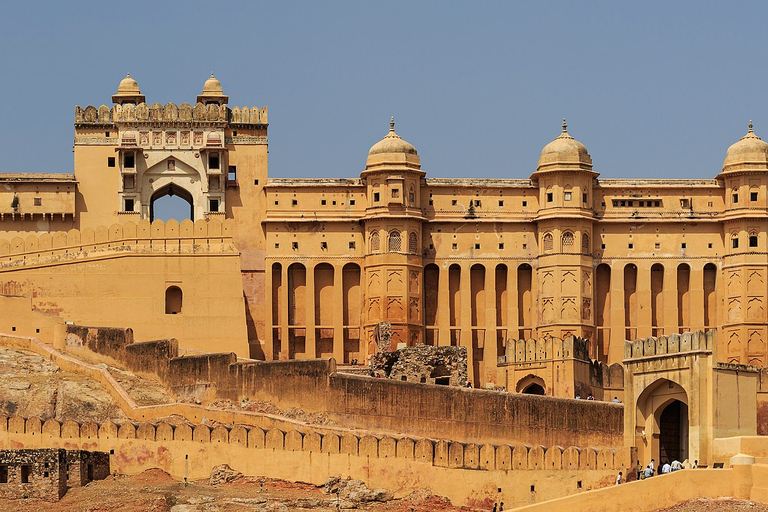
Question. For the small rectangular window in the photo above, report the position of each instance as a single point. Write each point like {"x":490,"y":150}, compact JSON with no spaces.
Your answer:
{"x":255,"y":182}
{"x":214,"y":205}
{"x":641,"y":204}
{"x":501,"y":203}
{"x":128,"y":205}
{"x":477,"y":246}
{"x":683,"y":245}
{"x":630,"y":246}
{"x":583,"y":198}
{"x":294,"y":245}
{"x":501,"y":245}
{"x":431,"y":246}
{"x":525,"y":246}
{"x":602,"y":246}
{"x":753,"y":196}
{"x":735,"y":243}
{"x":26,"y":472}
{"x":657,"y":203}
{"x":352,"y":202}
{"x":277,"y":245}
{"x":232,"y":174}
{"x":735,"y":198}
{"x":322,"y":202}
{"x":630,"y":203}
{"x":550,"y":197}
{"x":684,"y":203}
{"x":294,"y":202}
{"x":333,"y":203}
{"x":615,"y":203}
{"x":376,"y":197}
{"x":622,"y":203}
{"x":128,"y":161}
{"x":453,"y":202}
{"x":709,"y":246}
{"x":395,"y":193}
{"x":3,"y":474}
{"x":277,"y":202}
{"x":324,"y":245}
{"x":110,"y":161}
{"x":38,"y":201}
{"x":351,"y":245}
{"x":431,"y":202}
{"x":709,"y":204}
{"x":477,"y":203}
{"x":753,"y":241}
{"x":657,"y":245}
{"x":567,"y":196}
{"x":454,"y":246}
{"x":213,"y":161}
{"x":525,"y":203}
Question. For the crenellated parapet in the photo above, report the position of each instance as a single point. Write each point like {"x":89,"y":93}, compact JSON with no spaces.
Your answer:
{"x":670,"y":346}
{"x":169,"y":113}
{"x":204,"y":235}
{"x":546,"y":349}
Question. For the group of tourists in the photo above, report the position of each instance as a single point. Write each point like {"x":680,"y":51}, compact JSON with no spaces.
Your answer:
{"x":649,"y":470}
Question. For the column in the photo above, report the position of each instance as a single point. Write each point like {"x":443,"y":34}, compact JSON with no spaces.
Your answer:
{"x":443,"y":307}
{"x":285,"y":303}
{"x":513,"y":308}
{"x":618,"y":331}
{"x":670,"y":299}
{"x":465,"y":319}
{"x":338,"y":314}
{"x":310,"y":350}
{"x":643,"y":301}
{"x":268,"y":315}
{"x":696,"y":291}
{"x":489,"y":349}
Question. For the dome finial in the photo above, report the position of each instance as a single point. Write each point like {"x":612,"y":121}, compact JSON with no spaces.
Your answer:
{"x":750,"y":127}
{"x":127,"y":75}
{"x":392,"y":124}
{"x":565,"y":126}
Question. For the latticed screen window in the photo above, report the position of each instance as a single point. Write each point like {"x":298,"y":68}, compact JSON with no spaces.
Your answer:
{"x":412,"y":243}
{"x":394,"y":241}
{"x":585,"y":242}
{"x":567,"y":241}
{"x":548,"y":242}
{"x":374,"y":241}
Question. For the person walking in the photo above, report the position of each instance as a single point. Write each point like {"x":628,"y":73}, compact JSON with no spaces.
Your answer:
{"x":619,"y":479}
{"x":495,"y":507}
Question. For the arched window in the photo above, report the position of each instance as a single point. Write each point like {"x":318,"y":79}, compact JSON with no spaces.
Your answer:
{"x":412,"y":243}
{"x":394,"y":241}
{"x":585,"y":247}
{"x":173,"y":299}
{"x":567,"y":241}
{"x":375,"y":241}
{"x":548,"y":242}
{"x":734,"y":240}
{"x":411,"y":196}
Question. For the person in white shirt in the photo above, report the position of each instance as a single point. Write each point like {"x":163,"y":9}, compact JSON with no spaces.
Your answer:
{"x":652,"y":465}
{"x":666,"y":468}
{"x":676,"y":466}
{"x":619,"y":478}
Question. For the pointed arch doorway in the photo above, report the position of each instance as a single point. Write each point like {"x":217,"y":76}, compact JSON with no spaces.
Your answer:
{"x":169,"y":205}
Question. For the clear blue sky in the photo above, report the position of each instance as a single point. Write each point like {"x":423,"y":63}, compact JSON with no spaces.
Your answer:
{"x":654,"y":89}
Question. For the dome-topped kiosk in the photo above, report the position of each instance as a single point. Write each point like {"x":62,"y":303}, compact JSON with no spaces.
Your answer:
{"x":212,"y":93}
{"x":750,"y":153}
{"x":392,"y":152}
{"x":564,"y":153}
{"x":128,"y":92}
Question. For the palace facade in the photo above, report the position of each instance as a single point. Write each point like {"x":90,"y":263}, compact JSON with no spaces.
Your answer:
{"x":276,"y":268}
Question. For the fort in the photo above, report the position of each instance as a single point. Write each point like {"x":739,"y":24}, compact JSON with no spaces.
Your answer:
{"x":357,"y":298}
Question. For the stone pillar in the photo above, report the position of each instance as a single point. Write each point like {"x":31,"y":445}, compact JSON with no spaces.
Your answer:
{"x":513,"y":308}
{"x":268,"y":314}
{"x":310,"y":350}
{"x":443,"y":307}
{"x":696,"y":313}
{"x":489,"y":348}
{"x":618,"y":328}
{"x":643,"y":300}
{"x":465,"y":317}
{"x":670,"y":299}
{"x":338,"y":314}
{"x":285,"y":304}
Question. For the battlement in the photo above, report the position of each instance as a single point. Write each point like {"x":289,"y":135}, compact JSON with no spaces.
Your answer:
{"x":204,"y":235}
{"x":169,"y":113}
{"x":546,"y":349}
{"x":672,"y":345}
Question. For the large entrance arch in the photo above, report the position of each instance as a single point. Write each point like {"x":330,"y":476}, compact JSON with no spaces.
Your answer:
{"x":663,"y":422}
{"x":172,"y":190}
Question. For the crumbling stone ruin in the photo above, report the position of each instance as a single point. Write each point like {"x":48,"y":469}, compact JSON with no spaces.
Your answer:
{"x":423,"y":363}
{"x":45,"y":473}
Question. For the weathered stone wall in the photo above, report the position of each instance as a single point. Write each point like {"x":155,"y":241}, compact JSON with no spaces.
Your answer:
{"x":85,"y":466}
{"x":423,"y":363}
{"x":31,"y":473}
{"x":107,"y":341}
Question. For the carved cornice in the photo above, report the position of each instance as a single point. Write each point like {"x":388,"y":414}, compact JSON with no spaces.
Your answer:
{"x":96,"y":141}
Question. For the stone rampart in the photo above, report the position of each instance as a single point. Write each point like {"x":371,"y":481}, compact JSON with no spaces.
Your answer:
{"x":673,"y":344}
{"x":210,"y":234}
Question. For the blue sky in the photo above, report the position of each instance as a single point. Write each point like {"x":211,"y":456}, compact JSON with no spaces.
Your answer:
{"x":653,"y":89}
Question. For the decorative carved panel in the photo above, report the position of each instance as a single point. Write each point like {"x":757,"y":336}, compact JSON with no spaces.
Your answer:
{"x":734,"y":309}
{"x":568,"y":309}
{"x":755,"y":310}
{"x":755,"y":282}
{"x":395,"y":281}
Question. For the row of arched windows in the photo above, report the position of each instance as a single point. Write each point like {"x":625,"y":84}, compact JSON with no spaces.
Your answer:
{"x":394,"y":242}
{"x":566,"y":242}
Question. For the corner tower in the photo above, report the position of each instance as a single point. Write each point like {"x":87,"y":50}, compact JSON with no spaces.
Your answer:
{"x":393,"y":262}
{"x":565,"y":178}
